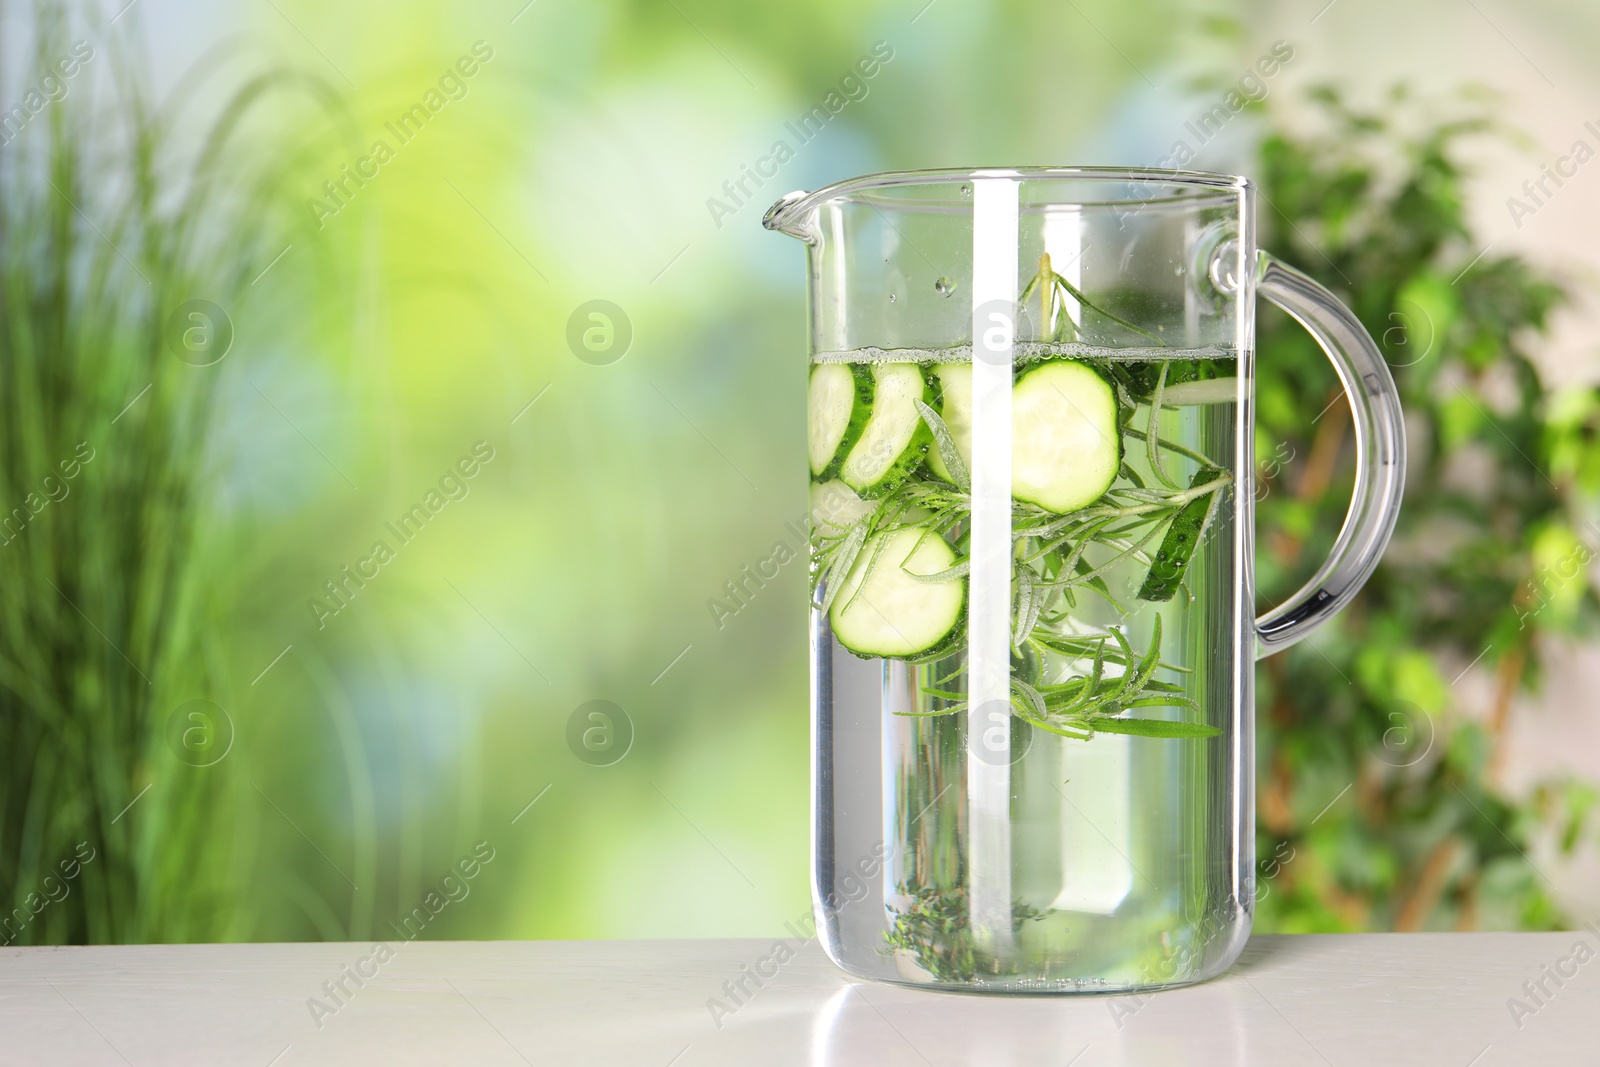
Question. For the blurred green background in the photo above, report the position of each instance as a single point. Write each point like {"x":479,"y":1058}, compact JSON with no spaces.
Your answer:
{"x":388,"y":325}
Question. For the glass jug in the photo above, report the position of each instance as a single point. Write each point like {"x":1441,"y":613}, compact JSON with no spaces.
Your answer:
{"x":1030,"y":435}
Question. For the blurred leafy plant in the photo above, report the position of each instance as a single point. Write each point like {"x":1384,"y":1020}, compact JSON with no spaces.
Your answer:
{"x":1377,"y":778}
{"x":113,"y":220}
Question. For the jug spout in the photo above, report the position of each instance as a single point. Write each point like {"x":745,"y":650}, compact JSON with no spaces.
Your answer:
{"x":792,"y":216}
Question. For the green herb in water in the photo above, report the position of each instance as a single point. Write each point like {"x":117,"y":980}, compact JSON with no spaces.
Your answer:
{"x":917,"y":534}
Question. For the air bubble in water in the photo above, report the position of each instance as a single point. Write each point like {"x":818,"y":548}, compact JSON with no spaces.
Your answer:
{"x":944,"y":286}
{"x":891,"y":298}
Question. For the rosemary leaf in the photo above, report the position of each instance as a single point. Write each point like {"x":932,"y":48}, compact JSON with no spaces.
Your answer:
{"x":1083,"y":301}
{"x":1153,"y":728}
{"x":947,"y":447}
{"x":843,"y":560}
{"x":948,"y":575}
{"x":1152,"y":435}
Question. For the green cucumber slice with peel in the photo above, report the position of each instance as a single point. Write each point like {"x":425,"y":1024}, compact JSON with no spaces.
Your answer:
{"x":955,"y":408}
{"x":838,"y":404}
{"x":882,"y":609}
{"x":1065,"y":442}
{"x":1181,"y":539}
{"x":835,"y":507}
{"x":895,"y":439}
{"x":1066,"y":446}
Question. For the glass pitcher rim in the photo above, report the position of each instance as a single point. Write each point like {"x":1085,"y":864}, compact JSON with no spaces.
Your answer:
{"x":785,"y":215}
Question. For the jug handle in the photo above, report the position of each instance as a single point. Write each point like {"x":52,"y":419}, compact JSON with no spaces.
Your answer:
{"x":1380,"y":454}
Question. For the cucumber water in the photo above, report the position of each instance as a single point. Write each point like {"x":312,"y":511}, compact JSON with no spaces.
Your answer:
{"x":1124,"y":465}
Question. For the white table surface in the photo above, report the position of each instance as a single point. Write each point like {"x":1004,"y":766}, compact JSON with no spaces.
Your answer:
{"x":1350,"y":999}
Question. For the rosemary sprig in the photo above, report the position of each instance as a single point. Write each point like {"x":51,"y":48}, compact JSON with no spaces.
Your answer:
{"x":931,"y":926}
{"x":1051,"y":287}
{"x":1047,"y":573}
{"x":1095,"y":702}
{"x":1057,"y":558}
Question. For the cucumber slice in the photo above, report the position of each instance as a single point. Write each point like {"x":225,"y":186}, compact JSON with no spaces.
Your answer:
{"x":835,"y":507}
{"x":895,"y":438}
{"x":881,"y":610}
{"x":955,"y":408}
{"x":1201,"y":391}
{"x":838,"y":403}
{"x":1181,"y":539}
{"x":1065,"y":445}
